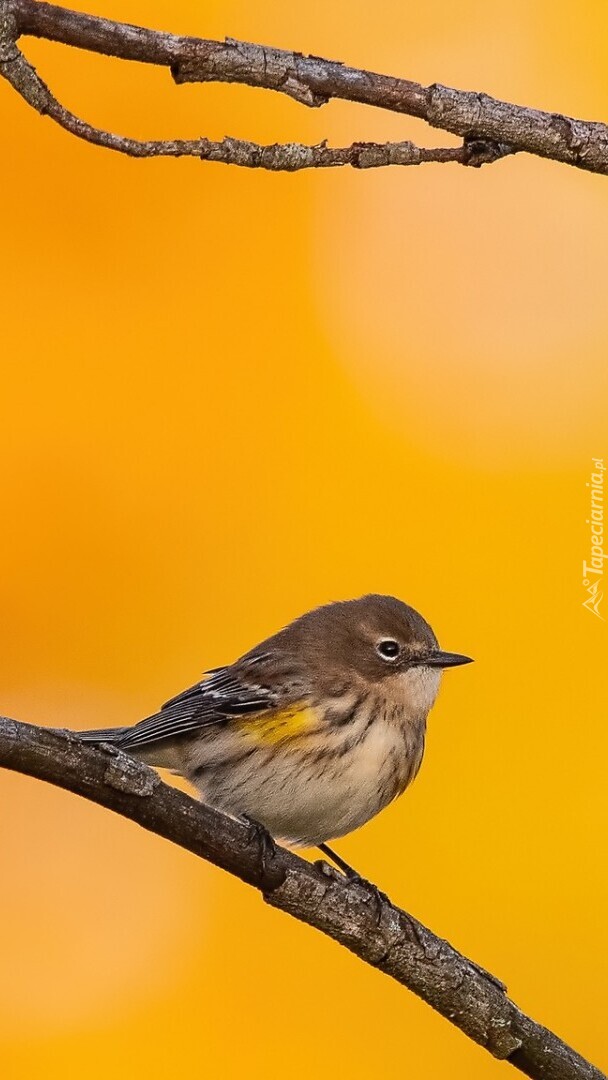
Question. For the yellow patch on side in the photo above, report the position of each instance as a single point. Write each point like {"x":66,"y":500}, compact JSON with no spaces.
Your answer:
{"x":271,"y":728}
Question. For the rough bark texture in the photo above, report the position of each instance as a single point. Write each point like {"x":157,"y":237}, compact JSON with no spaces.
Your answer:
{"x":383,"y":936}
{"x":490,"y":128}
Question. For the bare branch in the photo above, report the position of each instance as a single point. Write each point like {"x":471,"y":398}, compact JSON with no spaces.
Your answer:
{"x":493,"y":128}
{"x":286,"y":157}
{"x":388,"y":939}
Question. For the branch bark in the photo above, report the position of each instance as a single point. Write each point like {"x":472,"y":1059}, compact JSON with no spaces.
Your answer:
{"x":490,"y":128}
{"x":387,"y":938}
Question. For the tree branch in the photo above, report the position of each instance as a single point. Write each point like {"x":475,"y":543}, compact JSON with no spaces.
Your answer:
{"x":388,"y":938}
{"x":490,"y":128}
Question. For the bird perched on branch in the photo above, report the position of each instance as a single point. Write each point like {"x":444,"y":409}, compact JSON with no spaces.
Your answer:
{"x":312,"y":732}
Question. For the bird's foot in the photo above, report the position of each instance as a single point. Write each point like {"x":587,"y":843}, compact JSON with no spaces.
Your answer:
{"x":378,"y":897}
{"x":329,"y":871}
{"x":266,"y":845}
{"x":346,"y":873}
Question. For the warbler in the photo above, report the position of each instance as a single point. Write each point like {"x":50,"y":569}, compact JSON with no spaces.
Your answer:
{"x":312,"y":732}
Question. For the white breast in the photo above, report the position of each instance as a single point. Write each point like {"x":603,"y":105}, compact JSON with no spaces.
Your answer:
{"x":338,"y":779}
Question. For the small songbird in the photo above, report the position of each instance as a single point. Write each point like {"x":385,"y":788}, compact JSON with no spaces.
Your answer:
{"x":312,"y":732}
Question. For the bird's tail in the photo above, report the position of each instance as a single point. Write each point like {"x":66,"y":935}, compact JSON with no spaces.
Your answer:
{"x":161,"y":755}
{"x":114,"y":736}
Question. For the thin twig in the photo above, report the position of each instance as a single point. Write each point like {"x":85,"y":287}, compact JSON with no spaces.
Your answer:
{"x":279,"y":157}
{"x":494,"y":128}
{"x":388,"y":939}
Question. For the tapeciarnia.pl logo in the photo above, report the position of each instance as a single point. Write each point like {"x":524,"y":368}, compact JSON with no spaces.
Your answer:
{"x":593,"y":571}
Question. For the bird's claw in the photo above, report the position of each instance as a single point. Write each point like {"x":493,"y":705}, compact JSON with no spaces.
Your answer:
{"x":266,"y":845}
{"x":379,"y":898}
{"x":329,"y":871}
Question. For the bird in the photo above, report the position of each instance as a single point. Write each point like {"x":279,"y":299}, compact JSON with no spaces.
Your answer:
{"x":312,"y":732}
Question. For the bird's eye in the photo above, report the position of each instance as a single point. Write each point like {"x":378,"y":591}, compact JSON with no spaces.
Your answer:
{"x":388,"y":649}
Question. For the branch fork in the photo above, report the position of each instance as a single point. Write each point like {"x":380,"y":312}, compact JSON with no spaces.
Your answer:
{"x":490,"y":129}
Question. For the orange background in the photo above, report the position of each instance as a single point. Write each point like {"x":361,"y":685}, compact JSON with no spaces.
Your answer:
{"x":228,"y":396}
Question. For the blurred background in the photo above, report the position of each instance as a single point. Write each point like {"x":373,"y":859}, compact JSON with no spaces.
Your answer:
{"x":228,"y":396}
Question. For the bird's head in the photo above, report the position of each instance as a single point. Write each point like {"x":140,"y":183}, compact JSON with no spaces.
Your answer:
{"x":375,"y":637}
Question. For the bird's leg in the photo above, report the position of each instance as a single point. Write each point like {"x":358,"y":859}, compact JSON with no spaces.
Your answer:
{"x":338,"y":861}
{"x":350,"y":874}
{"x":264,"y":840}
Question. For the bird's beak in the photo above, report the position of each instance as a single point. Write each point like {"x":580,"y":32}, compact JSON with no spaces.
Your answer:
{"x":441,"y":659}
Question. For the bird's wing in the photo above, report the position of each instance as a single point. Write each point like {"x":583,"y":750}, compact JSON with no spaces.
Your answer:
{"x":238,"y":690}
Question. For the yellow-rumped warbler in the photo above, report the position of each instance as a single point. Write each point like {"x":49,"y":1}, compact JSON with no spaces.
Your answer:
{"x":312,"y":732}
